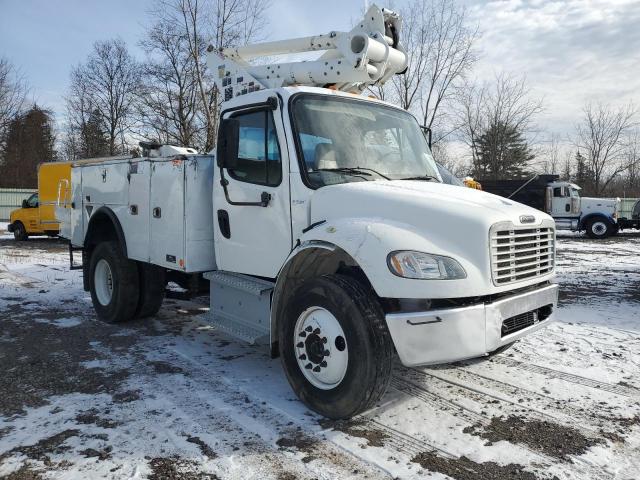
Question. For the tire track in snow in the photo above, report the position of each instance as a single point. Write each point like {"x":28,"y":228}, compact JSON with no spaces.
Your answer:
{"x":586,"y":469}
{"x":569,"y":377}
{"x":536,"y":402}
{"x":270,"y":417}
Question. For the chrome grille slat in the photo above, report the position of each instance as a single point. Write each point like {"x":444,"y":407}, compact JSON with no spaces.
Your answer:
{"x":519,"y":254}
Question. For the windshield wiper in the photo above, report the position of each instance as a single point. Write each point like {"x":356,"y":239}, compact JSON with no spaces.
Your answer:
{"x":353,"y":170}
{"x":422,"y":177}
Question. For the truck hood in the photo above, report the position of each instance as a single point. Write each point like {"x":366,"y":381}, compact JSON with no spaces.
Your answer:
{"x":374,"y":218}
{"x":599,"y":205}
{"x":423,"y":204}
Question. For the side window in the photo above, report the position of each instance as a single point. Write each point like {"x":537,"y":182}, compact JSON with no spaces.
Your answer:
{"x":33,"y":201}
{"x":557,"y":192}
{"x":258,"y":151}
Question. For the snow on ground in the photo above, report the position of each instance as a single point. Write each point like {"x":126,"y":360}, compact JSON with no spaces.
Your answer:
{"x":173,"y":398}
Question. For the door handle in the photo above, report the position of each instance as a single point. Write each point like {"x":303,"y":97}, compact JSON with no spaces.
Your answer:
{"x":265,"y":197}
{"x":224,"y":224}
{"x":157,"y":212}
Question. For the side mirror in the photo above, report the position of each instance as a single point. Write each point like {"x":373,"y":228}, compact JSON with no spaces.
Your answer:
{"x":426,"y":131}
{"x":25,"y":204}
{"x":228,"y":139}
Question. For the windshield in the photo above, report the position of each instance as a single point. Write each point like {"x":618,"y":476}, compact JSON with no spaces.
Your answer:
{"x":575,"y":192}
{"x":448,"y":177}
{"x":342,"y":140}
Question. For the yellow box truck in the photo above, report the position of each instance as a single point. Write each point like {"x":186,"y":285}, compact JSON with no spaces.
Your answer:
{"x":37,"y":215}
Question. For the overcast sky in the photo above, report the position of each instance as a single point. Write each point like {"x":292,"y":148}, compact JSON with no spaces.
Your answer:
{"x":572,"y":51}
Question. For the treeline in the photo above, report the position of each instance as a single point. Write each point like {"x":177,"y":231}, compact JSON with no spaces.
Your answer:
{"x":486,"y":129}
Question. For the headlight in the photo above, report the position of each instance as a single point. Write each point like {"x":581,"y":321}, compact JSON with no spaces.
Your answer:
{"x":424,"y":266}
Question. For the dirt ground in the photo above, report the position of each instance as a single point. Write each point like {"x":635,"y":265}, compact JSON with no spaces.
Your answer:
{"x":172,"y":398}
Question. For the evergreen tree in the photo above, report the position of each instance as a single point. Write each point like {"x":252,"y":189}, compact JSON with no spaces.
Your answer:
{"x":94,"y":141}
{"x":502,"y":152}
{"x":30,"y":141}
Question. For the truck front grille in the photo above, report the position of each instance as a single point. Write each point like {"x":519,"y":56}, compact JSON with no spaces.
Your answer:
{"x":519,"y":254}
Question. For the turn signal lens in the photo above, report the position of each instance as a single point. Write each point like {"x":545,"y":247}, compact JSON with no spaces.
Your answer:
{"x":424,"y":266}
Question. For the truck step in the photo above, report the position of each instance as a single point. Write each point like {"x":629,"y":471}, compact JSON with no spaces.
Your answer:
{"x":237,"y":329}
{"x":240,"y":305}
{"x":245,"y":283}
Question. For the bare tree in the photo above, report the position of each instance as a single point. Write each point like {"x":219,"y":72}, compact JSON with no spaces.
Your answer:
{"x":226,"y":23}
{"x":551,"y":153}
{"x":501,"y":106}
{"x":601,"y":136}
{"x":13,"y":91}
{"x":439,"y":44}
{"x":106,"y":84}
{"x":169,"y":100}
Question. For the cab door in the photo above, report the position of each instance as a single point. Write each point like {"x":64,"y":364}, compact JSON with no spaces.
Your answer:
{"x":561,"y":206}
{"x":252,"y":214}
{"x":32,"y":215}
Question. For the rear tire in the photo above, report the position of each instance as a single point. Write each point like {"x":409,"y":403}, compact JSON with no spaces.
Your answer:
{"x":341,"y":366}
{"x":152,"y":286}
{"x":20,"y":232}
{"x":114,"y":283}
{"x":599,"y":228}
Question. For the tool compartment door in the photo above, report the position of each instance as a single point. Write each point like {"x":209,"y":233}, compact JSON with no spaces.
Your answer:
{"x":166,"y":214}
{"x":136,"y":220}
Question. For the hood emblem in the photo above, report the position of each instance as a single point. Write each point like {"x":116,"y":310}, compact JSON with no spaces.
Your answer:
{"x":527,"y":219}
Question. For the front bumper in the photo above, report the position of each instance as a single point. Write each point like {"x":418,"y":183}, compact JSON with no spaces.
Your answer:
{"x":11,"y":228}
{"x":448,"y":335}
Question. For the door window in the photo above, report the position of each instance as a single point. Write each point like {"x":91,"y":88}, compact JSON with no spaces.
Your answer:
{"x":32,"y":202}
{"x":258,"y":150}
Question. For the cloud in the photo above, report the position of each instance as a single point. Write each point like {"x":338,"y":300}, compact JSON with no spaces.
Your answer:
{"x":572,"y":51}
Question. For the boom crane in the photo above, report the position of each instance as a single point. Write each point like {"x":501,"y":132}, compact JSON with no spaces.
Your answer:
{"x":369,"y":54}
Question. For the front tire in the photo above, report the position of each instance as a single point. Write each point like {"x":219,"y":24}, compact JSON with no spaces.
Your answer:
{"x":19,"y":231}
{"x":114,"y":283}
{"x":599,"y":228}
{"x":335,"y":346}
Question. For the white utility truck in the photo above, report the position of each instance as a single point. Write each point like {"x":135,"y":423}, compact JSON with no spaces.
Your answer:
{"x":322,"y":225}
{"x":598,"y":217}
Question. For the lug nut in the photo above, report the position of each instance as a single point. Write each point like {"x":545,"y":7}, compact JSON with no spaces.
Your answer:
{"x":323,"y":364}
{"x":324,"y":339}
{"x":302,"y":357}
{"x":309,"y":328}
{"x":303,"y":334}
{"x":326,"y":353}
{"x":316,"y":369}
{"x":300,"y":344}
{"x":317,"y":331}
{"x":308,"y":366}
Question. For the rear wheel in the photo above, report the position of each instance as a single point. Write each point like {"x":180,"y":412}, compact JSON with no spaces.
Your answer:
{"x":335,"y":347}
{"x":599,"y":228}
{"x":114,"y":283}
{"x":152,"y":286}
{"x":19,"y":231}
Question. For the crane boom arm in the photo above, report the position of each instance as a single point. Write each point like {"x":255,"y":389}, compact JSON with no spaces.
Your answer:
{"x":370,"y":53}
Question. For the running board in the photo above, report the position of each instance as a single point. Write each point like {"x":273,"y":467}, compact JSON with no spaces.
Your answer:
{"x":240,"y":305}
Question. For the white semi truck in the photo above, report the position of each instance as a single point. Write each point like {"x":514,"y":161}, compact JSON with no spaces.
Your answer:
{"x":598,"y":217}
{"x":321,"y":224}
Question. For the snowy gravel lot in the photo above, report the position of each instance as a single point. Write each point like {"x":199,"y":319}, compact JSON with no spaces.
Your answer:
{"x":172,"y":398}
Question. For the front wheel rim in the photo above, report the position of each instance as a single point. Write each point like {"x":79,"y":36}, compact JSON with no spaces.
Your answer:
{"x":599,"y":228}
{"x":321,"y":348}
{"x":103,"y":282}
